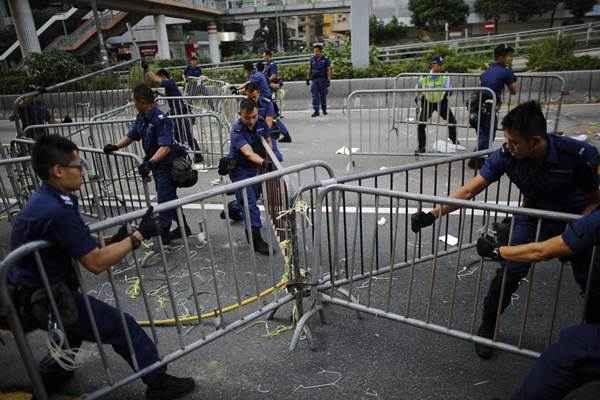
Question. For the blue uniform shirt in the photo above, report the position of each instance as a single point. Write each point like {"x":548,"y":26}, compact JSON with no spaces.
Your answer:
{"x":171,"y":89}
{"x":240,"y":136}
{"x":53,"y":216}
{"x":154,"y":129}
{"x":319,"y":67}
{"x":583,"y":234}
{"x":270,"y":69}
{"x":263,"y":85}
{"x":496,"y":77}
{"x":265,"y":108}
{"x":192,"y":71}
{"x":559,"y":183}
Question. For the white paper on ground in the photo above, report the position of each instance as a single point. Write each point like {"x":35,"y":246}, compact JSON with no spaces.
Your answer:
{"x":344,"y":150}
{"x":446,"y":146}
{"x":451,"y":240}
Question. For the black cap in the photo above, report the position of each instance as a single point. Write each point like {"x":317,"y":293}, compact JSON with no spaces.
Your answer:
{"x":502,"y":50}
{"x":439,"y":60}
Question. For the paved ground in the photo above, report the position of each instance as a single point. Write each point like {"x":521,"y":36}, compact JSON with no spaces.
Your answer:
{"x":371,"y":358}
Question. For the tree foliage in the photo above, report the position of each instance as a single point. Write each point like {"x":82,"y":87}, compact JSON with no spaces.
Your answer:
{"x":435,"y":13}
{"x":579,"y":7}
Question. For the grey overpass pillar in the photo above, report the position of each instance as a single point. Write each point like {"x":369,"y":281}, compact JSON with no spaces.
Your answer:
{"x":213,"y":43}
{"x":25,"y":27}
{"x":162,"y":38}
{"x":359,"y":14}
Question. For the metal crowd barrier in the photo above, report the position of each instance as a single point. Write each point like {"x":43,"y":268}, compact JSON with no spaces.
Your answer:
{"x":196,"y":86}
{"x":203,"y":133}
{"x":74,"y":99}
{"x":112,"y":185}
{"x":202,"y":291}
{"x":226,"y":106}
{"x":435,"y":284}
{"x":386,"y":122}
{"x":17,"y":182}
{"x":546,"y":89}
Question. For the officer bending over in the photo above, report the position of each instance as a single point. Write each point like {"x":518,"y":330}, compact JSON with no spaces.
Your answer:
{"x":553,"y":173}
{"x":575,"y":359}
{"x":155,"y":130}
{"x":319,"y":71}
{"x":52,"y":214}
{"x":256,"y":76}
{"x":247,"y":152}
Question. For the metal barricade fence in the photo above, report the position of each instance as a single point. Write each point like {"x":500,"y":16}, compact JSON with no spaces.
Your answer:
{"x":212,"y":289}
{"x":227,"y":107}
{"x":78,"y":100}
{"x":202,"y":133}
{"x":17,"y":182}
{"x":112,"y":185}
{"x":387,"y":122}
{"x":438,"y":289}
{"x":197,"y":86}
{"x":546,"y":89}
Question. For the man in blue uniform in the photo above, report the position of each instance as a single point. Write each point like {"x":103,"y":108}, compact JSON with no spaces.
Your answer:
{"x":247,"y":151}
{"x":155,"y":130}
{"x":272,"y":74}
{"x":553,"y":173}
{"x":266,"y":110}
{"x":194,"y":87}
{"x":256,"y":76}
{"x":575,"y":359}
{"x":33,"y":111}
{"x":52,"y":214}
{"x":192,"y":69}
{"x":319,"y":72}
{"x":496,"y":77}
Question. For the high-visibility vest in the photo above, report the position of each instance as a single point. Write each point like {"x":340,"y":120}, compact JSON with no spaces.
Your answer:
{"x":434,"y":82}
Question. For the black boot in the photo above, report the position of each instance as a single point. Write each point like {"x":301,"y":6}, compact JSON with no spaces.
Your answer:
{"x":260,"y":246}
{"x":315,"y":114}
{"x":169,"y":387}
{"x":286,"y":139}
{"x":486,"y":330}
{"x":53,"y":375}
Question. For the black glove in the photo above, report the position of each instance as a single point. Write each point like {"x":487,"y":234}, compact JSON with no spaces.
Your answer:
{"x":234,"y":90}
{"x":328,"y":83}
{"x":109,"y":148}
{"x":487,"y":247}
{"x":417,"y":98}
{"x":308,"y":82}
{"x":268,"y":165}
{"x":144,"y":65}
{"x":145,"y":168}
{"x":121,"y":234}
{"x":148,"y":226}
{"x":421,"y":220}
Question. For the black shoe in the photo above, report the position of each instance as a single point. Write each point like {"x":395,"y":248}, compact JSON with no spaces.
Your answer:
{"x":260,"y":246}
{"x":53,"y":375}
{"x":324,"y":112}
{"x":198,"y":158}
{"x":169,"y":387}
{"x":315,"y":114}
{"x":286,"y":139}
{"x":176,"y":233}
{"x":486,"y":330}
{"x":475,"y":163}
{"x":421,"y":150}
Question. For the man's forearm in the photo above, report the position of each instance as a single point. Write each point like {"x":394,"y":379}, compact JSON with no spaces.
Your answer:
{"x":124,"y":142}
{"x":161,"y":153}
{"x":537,"y":251}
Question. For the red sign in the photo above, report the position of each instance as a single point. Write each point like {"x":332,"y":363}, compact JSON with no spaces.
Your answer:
{"x":489,"y":26}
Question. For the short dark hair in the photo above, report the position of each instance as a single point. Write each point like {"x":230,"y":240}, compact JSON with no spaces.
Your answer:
{"x":527,"y":120}
{"x":247,"y":105}
{"x":251,"y":86}
{"x":164,"y":73}
{"x":260,"y":66}
{"x":268,"y":52}
{"x":144,"y":92}
{"x":193,"y":58}
{"x":502,"y":50}
{"x":51,"y":150}
{"x":248,"y":66}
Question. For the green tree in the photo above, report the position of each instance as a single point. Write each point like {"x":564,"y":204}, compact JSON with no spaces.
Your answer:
{"x":492,"y":9}
{"x":579,"y":8}
{"x":435,"y":13}
{"x":394,"y":30}
{"x":376,"y":30}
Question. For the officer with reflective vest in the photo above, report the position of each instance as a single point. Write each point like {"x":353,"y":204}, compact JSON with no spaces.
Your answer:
{"x":155,"y":130}
{"x":52,"y":214}
{"x":434,"y":101}
{"x":248,"y":154}
{"x":575,"y":359}
{"x":319,"y":72}
{"x":553,"y":173}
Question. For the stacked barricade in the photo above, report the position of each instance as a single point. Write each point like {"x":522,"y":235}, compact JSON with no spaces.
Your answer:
{"x":203,"y":86}
{"x":203,"y":290}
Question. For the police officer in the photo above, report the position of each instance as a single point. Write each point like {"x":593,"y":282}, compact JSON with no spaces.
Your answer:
{"x":257,"y":76}
{"x":194,"y":87}
{"x":247,"y":151}
{"x":496,"y":77}
{"x":552,"y":172}
{"x":192,"y":69}
{"x":266,"y":111}
{"x":33,"y":111}
{"x":155,"y":130}
{"x":575,"y":359}
{"x":52,"y":214}
{"x":272,"y":74}
{"x":319,"y":72}
{"x":434,"y":101}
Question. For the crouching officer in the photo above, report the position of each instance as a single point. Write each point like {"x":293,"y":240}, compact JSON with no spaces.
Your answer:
{"x":52,"y":214}
{"x":575,"y":359}
{"x":246,"y":154}
{"x":319,"y":71}
{"x":553,"y":173}
{"x":155,"y":131}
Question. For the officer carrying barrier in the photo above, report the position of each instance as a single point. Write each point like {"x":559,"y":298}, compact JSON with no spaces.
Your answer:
{"x":404,"y":122}
{"x":203,"y":133}
{"x":200,"y":288}
{"x":366,"y":259}
{"x":546,"y":89}
{"x":74,"y":100}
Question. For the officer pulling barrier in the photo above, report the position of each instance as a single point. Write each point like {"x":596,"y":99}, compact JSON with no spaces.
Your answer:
{"x":201,"y":290}
{"x":546,"y":89}
{"x":366,"y":260}
{"x":394,"y":122}
{"x":73,"y":100}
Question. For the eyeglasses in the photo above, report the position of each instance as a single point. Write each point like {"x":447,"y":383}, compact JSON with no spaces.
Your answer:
{"x":80,"y":164}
